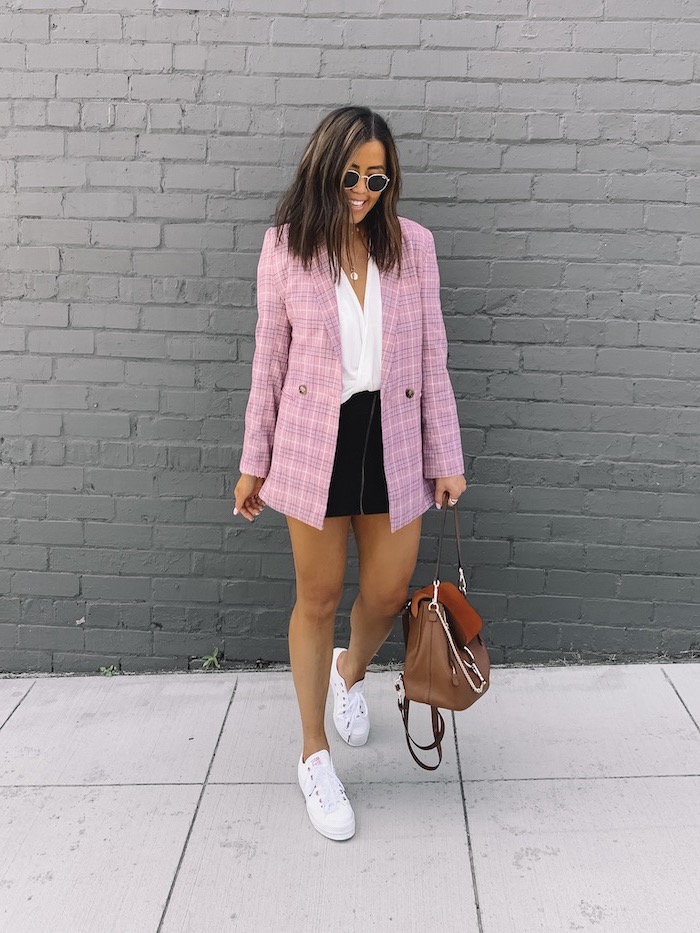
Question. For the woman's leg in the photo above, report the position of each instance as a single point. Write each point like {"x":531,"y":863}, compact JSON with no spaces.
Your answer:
{"x":319,"y":562}
{"x":387,"y":562}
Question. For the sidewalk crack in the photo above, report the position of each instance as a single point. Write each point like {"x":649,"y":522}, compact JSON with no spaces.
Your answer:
{"x":685,"y":706}
{"x":472,"y":867}
{"x":17,"y":706}
{"x":196,"y":812}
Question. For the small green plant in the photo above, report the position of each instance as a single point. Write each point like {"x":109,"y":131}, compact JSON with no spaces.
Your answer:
{"x":210,"y":660}
{"x":109,"y":671}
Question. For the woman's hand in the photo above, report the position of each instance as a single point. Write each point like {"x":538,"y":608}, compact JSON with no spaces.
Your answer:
{"x":248,"y":502}
{"x":454,"y":486}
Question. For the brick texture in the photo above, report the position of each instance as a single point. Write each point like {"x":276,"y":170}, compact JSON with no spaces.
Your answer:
{"x":552,"y":147}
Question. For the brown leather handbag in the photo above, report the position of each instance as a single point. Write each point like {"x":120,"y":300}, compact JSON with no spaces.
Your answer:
{"x":447,"y":665}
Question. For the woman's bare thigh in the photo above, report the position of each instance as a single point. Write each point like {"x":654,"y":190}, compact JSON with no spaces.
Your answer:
{"x":387,"y":560}
{"x":320,"y":556}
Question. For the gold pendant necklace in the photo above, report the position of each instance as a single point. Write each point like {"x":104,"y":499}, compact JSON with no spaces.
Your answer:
{"x":353,"y":274}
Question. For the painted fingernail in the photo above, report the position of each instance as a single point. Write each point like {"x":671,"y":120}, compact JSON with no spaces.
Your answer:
{"x":235,"y":511}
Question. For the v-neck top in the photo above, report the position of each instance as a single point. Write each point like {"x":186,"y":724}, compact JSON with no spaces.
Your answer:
{"x":360,"y":333}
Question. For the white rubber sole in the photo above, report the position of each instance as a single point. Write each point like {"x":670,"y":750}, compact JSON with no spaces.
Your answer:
{"x":337,"y":836}
{"x":355,"y":743}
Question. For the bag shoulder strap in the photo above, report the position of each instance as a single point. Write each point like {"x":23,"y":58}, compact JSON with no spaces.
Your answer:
{"x":438,"y":724}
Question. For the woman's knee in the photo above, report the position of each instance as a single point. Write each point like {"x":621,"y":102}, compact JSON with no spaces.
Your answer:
{"x":319,"y":602}
{"x":386,"y":600}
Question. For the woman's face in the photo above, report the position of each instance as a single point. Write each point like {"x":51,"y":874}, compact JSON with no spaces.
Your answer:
{"x":368,"y":159}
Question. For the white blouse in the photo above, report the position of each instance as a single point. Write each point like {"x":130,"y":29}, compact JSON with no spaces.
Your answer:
{"x":360,"y":333}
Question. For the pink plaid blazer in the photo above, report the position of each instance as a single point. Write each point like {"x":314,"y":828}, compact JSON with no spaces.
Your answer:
{"x":291,"y":420}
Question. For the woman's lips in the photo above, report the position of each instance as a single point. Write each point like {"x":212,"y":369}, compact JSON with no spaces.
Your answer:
{"x":357,"y":205}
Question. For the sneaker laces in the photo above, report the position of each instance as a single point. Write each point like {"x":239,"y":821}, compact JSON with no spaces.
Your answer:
{"x":354,"y":706}
{"x":329,"y":788}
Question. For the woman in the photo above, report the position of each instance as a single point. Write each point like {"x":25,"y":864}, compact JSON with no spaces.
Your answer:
{"x":351,"y":420}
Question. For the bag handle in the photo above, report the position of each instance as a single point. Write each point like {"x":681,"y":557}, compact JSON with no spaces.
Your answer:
{"x":453,"y":508}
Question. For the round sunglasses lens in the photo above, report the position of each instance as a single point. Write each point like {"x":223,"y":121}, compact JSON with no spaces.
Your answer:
{"x":350,"y":179}
{"x":377,"y":182}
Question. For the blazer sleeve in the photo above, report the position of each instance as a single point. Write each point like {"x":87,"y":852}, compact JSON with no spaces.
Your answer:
{"x":272,"y":338}
{"x":442,"y":444}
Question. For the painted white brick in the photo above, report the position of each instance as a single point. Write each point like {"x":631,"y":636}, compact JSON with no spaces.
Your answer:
{"x":61,"y":56}
{"x":114,"y":315}
{"x":165,"y":116}
{"x":15,"y":84}
{"x":29,"y":113}
{"x":27,"y":27}
{"x":100,"y":145}
{"x":62,"y":113}
{"x":93,"y":85}
{"x":55,"y":232}
{"x":131,"y":116}
{"x":7,"y":174}
{"x":128,"y":57}
{"x":173,"y":146}
{"x":115,"y":233}
{"x":34,"y":313}
{"x":172,"y":262}
{"x":29,"y":259}
{"x":655,"y":67}
{"x":71,"y":341}
{"x":174,"y":28}
{"x":120,"y":174}
{"x":239,"y":89}
{"x":13,"y":56}
{"x":8,"y":232}
{"x":198,"y":177}
{"x":171,"y":206}
{"x":198,"y":236}
{"x":163,"y":87}
{"x":533,"y":35}
{"x":107,"y":204}
{"x":95,"y":260}
{"x":98,"y":27}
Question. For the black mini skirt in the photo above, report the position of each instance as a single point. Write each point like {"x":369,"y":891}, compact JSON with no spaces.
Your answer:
{"x":358,"y":483}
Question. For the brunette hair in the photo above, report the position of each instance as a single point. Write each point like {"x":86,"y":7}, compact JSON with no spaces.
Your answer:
{"x":315,"y":206}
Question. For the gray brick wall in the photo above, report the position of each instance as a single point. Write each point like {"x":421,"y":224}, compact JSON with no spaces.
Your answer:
{"x":551,"y":145}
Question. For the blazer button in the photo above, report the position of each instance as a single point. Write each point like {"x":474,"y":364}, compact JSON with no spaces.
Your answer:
{"x":409,"y":393}
{"x":302,"y":390}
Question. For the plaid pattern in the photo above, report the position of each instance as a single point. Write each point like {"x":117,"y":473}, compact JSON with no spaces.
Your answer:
{"x":291,"y":421}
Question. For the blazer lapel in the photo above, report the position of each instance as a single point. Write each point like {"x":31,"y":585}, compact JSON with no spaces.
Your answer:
{"x":390,"y":294}
{"x":325,"y":288}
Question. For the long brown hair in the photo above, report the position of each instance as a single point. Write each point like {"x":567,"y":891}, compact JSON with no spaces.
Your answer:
{"x":315,"y":206}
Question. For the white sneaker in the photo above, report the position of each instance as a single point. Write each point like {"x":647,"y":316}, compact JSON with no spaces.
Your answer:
{"x":329,"y":809}
{"x":350,"y":713}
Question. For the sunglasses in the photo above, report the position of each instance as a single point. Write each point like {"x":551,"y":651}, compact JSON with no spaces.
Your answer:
{"x":374,"y":182}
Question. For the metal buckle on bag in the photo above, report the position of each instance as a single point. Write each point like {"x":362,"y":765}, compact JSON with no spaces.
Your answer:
{"x":434,"y":604}
{"x":462,"y":583}
{"x":400,"y":688}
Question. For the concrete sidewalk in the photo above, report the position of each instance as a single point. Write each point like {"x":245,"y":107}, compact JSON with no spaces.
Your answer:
{"x":569,"y":799}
